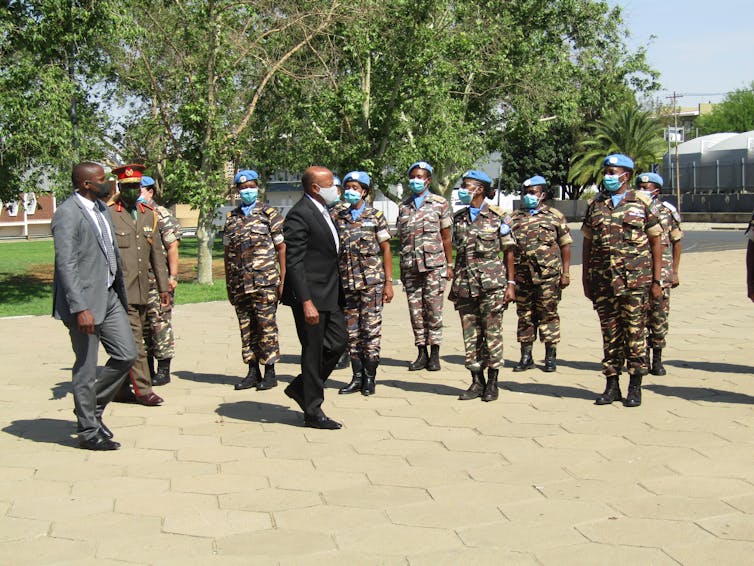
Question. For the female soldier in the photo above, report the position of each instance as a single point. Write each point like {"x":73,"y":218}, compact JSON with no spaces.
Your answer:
{"x":482,"y":285}
{"x":367,"y":281}
{"x":543,"y":257}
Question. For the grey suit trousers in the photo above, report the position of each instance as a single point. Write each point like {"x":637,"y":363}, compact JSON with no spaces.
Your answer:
{"x":92,"y":393}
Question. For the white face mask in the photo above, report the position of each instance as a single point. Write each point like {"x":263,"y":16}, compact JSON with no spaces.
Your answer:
{"x":329,"y":194}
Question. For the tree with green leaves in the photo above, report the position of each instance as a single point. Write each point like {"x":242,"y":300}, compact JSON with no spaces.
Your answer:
{"x":734,"y":114}
{"x":628,"y":130}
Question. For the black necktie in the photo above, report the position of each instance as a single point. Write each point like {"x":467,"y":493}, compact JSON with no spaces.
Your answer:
{"x":106,"y":240}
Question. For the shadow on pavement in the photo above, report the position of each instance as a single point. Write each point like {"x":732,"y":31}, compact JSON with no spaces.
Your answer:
{"x":549,"y":390}
{"x":50,"y":431}
{"x":256,"y":412}
{"x":714,"y":367}
{"x":60,"y":390}
{"x":701,"y":394}
{"x":586,"y":366}
{"x":420,"y":387}
{"x":209,"y":377}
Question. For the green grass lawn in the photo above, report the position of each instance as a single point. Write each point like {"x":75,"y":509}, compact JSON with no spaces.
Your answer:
{"x":26,"y":269}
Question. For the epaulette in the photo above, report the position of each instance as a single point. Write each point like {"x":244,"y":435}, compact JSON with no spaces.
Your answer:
{"x":228,"y":214}
{"x":504,"y":214}
{"x":556,"y":213}
{"x":377,"y":213}
{"x":145,"y":205}
{"x":269,"y":210}
{"x":436,"y":198}
{"x":673,"y":210}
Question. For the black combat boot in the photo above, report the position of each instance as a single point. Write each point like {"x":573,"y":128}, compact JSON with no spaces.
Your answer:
{"x":344,"y":360}
{"x":657,"y":367}
{"x":433,"y":364}
{"x":252,"y":378}
{"x":370,"y":373}
{"x":162,"y":377}
{"x":633,"y":399}
{"x":526,"y":360}
{"x":421,"y":361}
{"x":270,"y":380}
{"x":150,"y":365}
{"x":490,"y":390}
{"x":612,"y":392}
{"x":550,"y":355}
{"x":476,"y":388}
{"x":358,"y":373}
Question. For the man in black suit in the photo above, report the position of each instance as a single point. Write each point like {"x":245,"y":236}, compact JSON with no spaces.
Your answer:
{"x":90,"y":298}
{"x":314,"y":292}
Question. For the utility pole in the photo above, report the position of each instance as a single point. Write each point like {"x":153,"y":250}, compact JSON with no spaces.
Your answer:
{"x":674,"y":97}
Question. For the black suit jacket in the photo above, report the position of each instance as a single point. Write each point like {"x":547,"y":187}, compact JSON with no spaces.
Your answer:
{"x":311,"y":259}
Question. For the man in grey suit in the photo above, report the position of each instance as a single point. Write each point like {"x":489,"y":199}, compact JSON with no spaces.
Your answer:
{"x":90,"y":298}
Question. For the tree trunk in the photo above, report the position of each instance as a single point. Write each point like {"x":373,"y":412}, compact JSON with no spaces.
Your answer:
{"x":205,"y":238}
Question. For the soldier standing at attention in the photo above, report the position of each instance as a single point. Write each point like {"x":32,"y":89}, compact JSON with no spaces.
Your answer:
{"x":158,"y":335}
{"x":622,"y":265}
{"x":543,"y":258}
{"x":657,"y":319}
{"x":254,"y":246}
{"x":135,"y":225}
{"x":367,"y":279}
{"x":482,"y":285}
{"x":424,"y":222}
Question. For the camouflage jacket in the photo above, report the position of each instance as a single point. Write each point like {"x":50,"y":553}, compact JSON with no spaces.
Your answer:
{"x":539,"y":238}
{"x":360,"y":263}
{"x":419,"y":233}
{"x":670,"y":220}
{"x":621,"y":257}
{"x":168,"y":227}
{"x":478,"y":267}
{"x":250,"y":256}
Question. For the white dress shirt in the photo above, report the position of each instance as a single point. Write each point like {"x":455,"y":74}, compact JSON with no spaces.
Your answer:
{"x":328,"y":219}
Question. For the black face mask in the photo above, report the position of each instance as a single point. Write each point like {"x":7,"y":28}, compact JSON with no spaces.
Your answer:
{"x":129,"y":195}
{"x":102,"y":190}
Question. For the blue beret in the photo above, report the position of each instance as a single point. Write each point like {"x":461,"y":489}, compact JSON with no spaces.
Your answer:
{"x":476,"y":175}
{"x":618,"y":160}
{"x":534,"y":181}
{"x":358,"y":176}
{"x":650,"y":178}
{"x":244,"y":176}
{"x":147,"y":181}
{"x":420,"y":165}
{"x":336,"y":181}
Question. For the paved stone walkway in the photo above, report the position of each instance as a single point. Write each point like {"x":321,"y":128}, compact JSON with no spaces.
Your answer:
{"x":542,"y":476}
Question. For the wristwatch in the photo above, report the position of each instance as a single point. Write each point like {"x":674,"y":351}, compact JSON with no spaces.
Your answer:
{"x":658,"y":281}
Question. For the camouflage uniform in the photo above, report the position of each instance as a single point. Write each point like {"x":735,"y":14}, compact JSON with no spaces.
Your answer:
{"x":657,"y":318}
{"x":158,"y":335}
{"x":539,"y":237}
{"x":620,"y":273}
{"x":423,"y":266}
{"x":252,"y":278}
{"x":363,"y":278}
{"x":479,"y":284}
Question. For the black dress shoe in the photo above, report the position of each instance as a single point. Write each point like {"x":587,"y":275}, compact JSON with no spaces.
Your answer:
{"x":246,"y":383}
{"x":323,"y":422}
{"x":291,"y":392}
{"x":98,"y":442}
{"x":105,"y":430}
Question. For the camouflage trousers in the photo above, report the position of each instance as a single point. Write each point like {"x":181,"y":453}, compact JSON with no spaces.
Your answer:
{"x":363,"y":313}
{"x":482,"y":325}
{"x":425,"y":293}
{"x":159,"y":339}
{"x":657,"y":319}
{"x":537,"y":309}
{"x":256,"y":312}
{"x":623,"y":320}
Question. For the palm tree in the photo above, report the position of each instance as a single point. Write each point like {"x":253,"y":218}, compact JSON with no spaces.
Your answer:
{"x":628,"y":130}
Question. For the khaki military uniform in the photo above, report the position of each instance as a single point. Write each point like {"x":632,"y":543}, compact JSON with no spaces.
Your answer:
{"x":252,"y":277}
{"x":479,"y":284}
{"x":363,"y":278}
{"x":422,"y":263}
{"x":659,"y":309}
{"x":141,"y":251}
{"x":539,"y":237}
{"x":158,"y":336}
{"x":620,"y":274}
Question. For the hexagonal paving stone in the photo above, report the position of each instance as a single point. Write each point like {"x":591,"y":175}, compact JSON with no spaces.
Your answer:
{"x":398,"y":540}
{"x":375,"y":496}
{"x":470,"y":493}
{"x":107,"y":526}
{"x":329,"y":518}
{"x":269,"y":499}
{"x":697,"y":486}
{"x":17,"y":528}
{"x":642,"y":532}
{"x":736,"y":527}
{"x":712,"y":551}
{"x":592,"y":554}
{"x":275,"y":543}
{"x":521,"y":536}
{"x":444,"y":515}
{"x":592,"y":490}
{"x":48,"y":550}
{"x":217,"y":523}
{"x":149,"y":549}
{"x":60,"y":508}
{"x":473,"y":556}
{"x":670,"y":507}
{"x":165,"y":503}
{"x":217,"y":484}
{"x":320,"y":480}
{"x":563,"y":511}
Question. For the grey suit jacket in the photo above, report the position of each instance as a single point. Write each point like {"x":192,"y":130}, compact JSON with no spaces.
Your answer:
{"x":81,"y":268}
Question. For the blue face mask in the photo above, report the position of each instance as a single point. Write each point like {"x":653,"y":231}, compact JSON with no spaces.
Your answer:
{"x":142,"y":199}
{"x":611,"y":182}
{"x":352,"y":196}
{"x":530,"y":201}
{"x":416,"y":185}
{"x":464,"y":196}
{"x":249,"y":196}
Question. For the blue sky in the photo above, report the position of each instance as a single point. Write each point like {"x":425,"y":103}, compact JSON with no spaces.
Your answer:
{"x":700,"y":47}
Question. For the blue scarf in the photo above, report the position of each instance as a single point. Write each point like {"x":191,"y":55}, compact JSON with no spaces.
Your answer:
{"x":617,"y":199}
{"x":355,"y":213}
{"x":247,"y":208}
{"x":474,"y":212}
